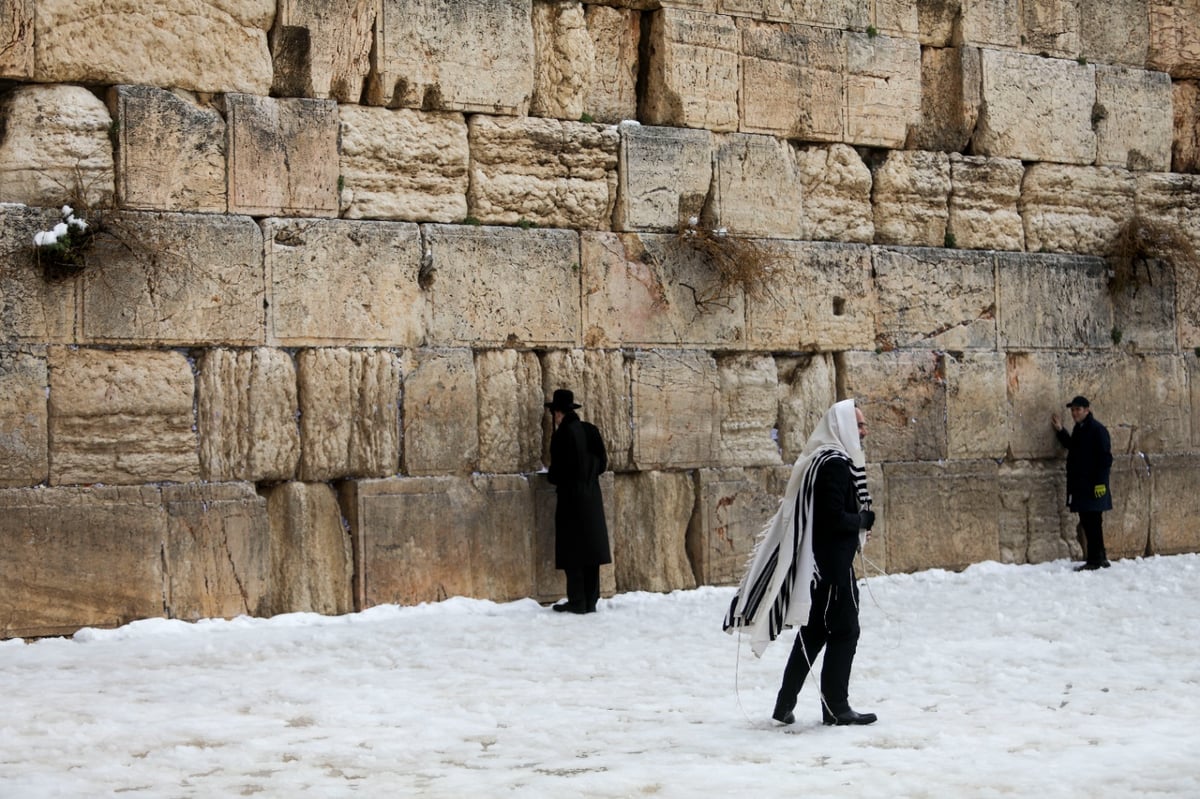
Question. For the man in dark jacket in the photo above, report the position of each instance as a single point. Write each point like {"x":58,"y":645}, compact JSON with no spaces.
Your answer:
{"x":1089,"y":460}
{"x":577,"y":459}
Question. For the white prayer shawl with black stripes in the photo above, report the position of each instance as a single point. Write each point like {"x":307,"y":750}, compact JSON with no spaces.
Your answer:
{"x":774,"y":594}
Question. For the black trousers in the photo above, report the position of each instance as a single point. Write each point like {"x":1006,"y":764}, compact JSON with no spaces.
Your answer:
{"x":583,"y":587}
{"x":1092,"y":522}
{"x":832,"y":625}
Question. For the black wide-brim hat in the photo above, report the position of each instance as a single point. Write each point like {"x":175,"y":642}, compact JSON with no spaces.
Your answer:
{"x":564,"y":400}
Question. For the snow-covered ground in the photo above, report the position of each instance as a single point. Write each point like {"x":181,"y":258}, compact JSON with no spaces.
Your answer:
{"x":1014,"y":681}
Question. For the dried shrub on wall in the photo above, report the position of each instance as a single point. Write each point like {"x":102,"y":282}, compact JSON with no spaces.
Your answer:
{"x":737,"y":264}
{"x":1140,"y":242}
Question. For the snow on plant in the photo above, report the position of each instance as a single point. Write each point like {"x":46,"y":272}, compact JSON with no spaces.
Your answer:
{"x":63,"y":248}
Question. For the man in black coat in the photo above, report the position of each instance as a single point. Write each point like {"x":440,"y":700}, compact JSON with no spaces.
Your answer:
{"x":1089,"y":460}
{"x":577,"y":459}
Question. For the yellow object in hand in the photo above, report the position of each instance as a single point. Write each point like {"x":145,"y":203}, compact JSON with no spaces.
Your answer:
{"x":1100,"y":491}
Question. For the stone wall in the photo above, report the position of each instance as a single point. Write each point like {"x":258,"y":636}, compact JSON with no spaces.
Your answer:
{"x":331,"y":283}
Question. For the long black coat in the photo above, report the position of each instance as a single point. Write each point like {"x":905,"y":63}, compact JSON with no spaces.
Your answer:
{"x":577,"y":459}
{"x":1089,"y":461}
{"x":835,"y":522}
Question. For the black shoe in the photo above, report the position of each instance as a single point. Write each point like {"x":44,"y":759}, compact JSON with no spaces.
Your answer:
{"x":1091,"y":567}
{"x":784,"y":716}
{"x":847,"y":717}
{"x":567,"y":607}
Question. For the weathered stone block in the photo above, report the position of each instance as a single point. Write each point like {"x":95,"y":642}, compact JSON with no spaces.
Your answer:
{"x":757,"y":187}
{"x":1144,"y":311}
{"x":664,"y":177}
{"x":32,"y":309}
{"x":403,"y":164}
{"x":902,"y":394}
{"x":835,"y":186}
{"x":283,"y":156}
{"x":897,"y":18}
{"x":1193,"y":371}
{"x":24,"y":439}
{"x":1052,"y":302}
{"x":936,"y":23}
{"x":1075,"y":209}
{"x":79,"y":557}
{"x":121,"y":417}
{"x":649,"y":534}
{"x":563,"y":60}
{"x":807,"y":389}
{"x":542,"y":171}
{"x":911,"y":198}
{"x":601,"y":382}
{"x":1174,"y":38}
{"x":983,"y":208}
{"x":1175,"y":504}
{"x":1035,"y":525}
{"x":1127,"y":532}
{"x":676,"y":411}
{"x":656,"y":289}
{"x":883,"y":89}
{"x":217,"y":551}
{"x":935,"y":299}
{"x":247,"y":406}
{"x":322,"y":49}
{"x":1172,"y":201}
{"x":340,"y":282}
{"x":732,"y":508}
{"x":821,"y":298}
{"x":475,"y":56}
{"x":1135,"y":122}
{"x":170,"y":151}
{"x":311,"y":558}
{"x":1185,"y":143}
{"x":440,"y":418}
{"x":749,"y":410}
{"x":1035,"y":391}
{"x":175,"y":279}
{"x":16,"y":31}
{"x":992,"y":23}
{"x":828,"y":13}
{"x":1051,"y":27}
{"x":206,"y":47}
{"x":612,"y":94}
{"x":792,"y":80}
{"x":692,"y":74}
{"x":941,"y":515}
{"x":1104,"y":41}
{"x":1060,"y":94}
{"x":493,"y":286}
{"x":349,"y":413}
{"x":550,"y":583}
{"x":951,"y":82}
{"x":509,"y":385}
{"x":55,"y":147}
{"x":977,"y":405}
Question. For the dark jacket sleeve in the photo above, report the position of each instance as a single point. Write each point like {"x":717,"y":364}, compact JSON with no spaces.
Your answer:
{"x":833,"y":498}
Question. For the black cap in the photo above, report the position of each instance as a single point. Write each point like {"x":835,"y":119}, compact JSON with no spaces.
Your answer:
{"x":1079,"y":402}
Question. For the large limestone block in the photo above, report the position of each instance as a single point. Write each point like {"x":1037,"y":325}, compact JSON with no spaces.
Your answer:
{"x":1051,"y":28}
{"x":732,"y":508}
{"x":79,"y":557}
{"x":1035,"y":391}
{"x":991,"y":23}
{"x":676,"y":410}
{"x":897,"y":18}
{"x":935,"y":299}
{"x":749,"y":410}
{"x":349,"y":413}
{"x":16,"y":31}
{"x":612,"y":94}
{"x":564,"y":59}
{"x":692,"y":71}
{"x":1135,"y":122}
{"x":656,"y":290}
{"x":1074,"y":209}
{"x":1175,"y":504}
{"x":311,"y":558}
{"x":902,"y":394}
{"x":1059,"y":94}
{"x":55,"y":148}
{"x":601,"y":382}
{"x":1172,"y":201}
{"x":199,"y":45}
{"x":283,"y":156}
{"x":937,"y":23}
{"x":941,"y":515}
{"x":24,"y":429}
{"x":1103,"y":40}
{"x":175,"y":279}
{"x":429,"y":538}
{"x":247,"y":405}
{"x":509,"y":384}
{"x":472,"y":55}
{"x":1185,"y":143}
{"x":322,"y":49}
{"x":951,"y":82}
{"x":32,"y":309}
{"x":121,"y":417}
{"x":828,"y":13}
{"x":217,"y":553}
{"x":403,"y":164}
{"x":1144,"y":312}
{"x":440,"y":417}
{"x":883,"y":89}
{"x":757,"y":187}
{"x":496,"y":286}
{"x":649,"y":534}
{"x":792,"y":80}
{"x":1174,"y":38}
{"x":1052,"y":302}
{"x":542,"y":171}
{"x":1127,"y":531}
{"x":985,"y":194}
{"x":911,"y":197}
{"x":1035,"y":525}
{"x":336,"y":282}
{"x":664,"y":176}
{"x":818,"y":297}
{"x":977,"y":415}
{"x":550,"y":582}
{"x":170,"y":150}
{"x":807,"y":389}
{"x":1193,"y":371}
{"x":835,"y":185}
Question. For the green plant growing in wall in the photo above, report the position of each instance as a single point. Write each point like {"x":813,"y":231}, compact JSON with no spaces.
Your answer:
{"x":872,"y":31}
{"x":525,"y":224}
{"x":1116,"y":335}
{"x":587,"y":118}
{"x":949,"y":241}
{"x":62,"y":250}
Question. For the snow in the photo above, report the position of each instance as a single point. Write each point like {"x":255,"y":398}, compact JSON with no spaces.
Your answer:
{"x":997,"y":681}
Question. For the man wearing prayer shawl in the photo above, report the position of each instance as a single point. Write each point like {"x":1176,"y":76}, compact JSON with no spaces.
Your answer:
{"x":802,"y":568}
